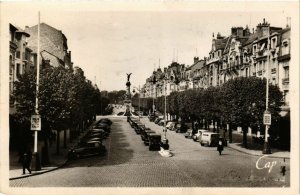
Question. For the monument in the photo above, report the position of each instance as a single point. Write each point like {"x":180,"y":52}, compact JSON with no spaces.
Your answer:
{"x":127,"y":101}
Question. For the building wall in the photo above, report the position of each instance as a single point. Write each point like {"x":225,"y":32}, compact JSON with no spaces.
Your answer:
{"x":264,"y":54}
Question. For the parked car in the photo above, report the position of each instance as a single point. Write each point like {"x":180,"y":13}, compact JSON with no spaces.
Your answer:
{"x":157,"y":120}
{"x":209,"y":139}
{"x":170,"y":125}
{"x":103,"y":126}
{"x":189,"y":133}
{"x":181,"y":128}
{"x":154,"y":141}
{"x":90,"y":148}
{"x":161,"y":122}
{"x":198,"y":135}
{"x":147,"y":135}
{"x":139,"y":127}
{"x":151,"y":117}
{"x":106,"y":121}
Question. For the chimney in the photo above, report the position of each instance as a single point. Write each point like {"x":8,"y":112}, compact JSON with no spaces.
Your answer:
{"x":196,"y":59}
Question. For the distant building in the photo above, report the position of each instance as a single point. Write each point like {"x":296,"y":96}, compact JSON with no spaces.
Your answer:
{"x":53,"y":45}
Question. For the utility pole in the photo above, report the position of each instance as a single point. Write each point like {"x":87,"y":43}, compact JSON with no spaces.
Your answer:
{"x":36,"y":119}
{"x":267,"y":114}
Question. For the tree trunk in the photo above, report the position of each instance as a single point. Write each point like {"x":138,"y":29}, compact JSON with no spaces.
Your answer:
{"x":45,"y":155}
{"x":230,"y":133}
{"x":245,"y":136}
{"x":57,"y":142}
{"x":65,"y":138}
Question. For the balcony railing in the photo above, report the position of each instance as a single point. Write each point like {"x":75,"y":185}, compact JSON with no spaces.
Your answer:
{"x":259,"y":73}
{"x":285,"y":81}
{"x":273,"y":70}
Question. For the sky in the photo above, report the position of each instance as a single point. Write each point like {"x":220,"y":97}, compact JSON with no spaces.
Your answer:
{"x":108,"y":43}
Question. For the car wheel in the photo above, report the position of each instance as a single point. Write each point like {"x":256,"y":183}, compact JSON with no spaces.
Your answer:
{"x":202,"y":144}
{"x":195,"y":139}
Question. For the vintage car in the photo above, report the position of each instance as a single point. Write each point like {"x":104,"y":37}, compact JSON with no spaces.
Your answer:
{"x":209,"y":139}
{"x":154,"y":141}
{"x":198,"y":135}
{"x":88,"y":149}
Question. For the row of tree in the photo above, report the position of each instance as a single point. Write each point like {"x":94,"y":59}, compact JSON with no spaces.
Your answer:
{"x":67,"y":100}
{"x":238,"y":102}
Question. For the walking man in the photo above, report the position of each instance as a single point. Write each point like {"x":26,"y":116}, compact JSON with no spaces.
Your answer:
{"x":26,"y":162}
{"x":220,"y":146}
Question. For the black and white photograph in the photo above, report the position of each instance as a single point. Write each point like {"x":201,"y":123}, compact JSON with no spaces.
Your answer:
{"x":145,"y":97}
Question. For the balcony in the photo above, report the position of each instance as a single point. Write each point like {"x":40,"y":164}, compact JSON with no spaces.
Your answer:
{"x":273,"y":70}
{"x":285,"y":84}
{"x":285,"y":81}
{"x":259,"y":73}
{"x":284,"y":57}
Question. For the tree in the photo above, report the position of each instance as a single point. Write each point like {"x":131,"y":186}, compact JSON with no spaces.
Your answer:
{"x":245,"y":102}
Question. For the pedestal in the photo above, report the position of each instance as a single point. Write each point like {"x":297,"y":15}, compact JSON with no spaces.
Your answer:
{"x":267,"y":149}
{"x":36,"y":162}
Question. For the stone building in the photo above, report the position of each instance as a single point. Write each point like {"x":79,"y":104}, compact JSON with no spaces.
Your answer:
{"x":21,"y":59}
{"x":264,"y":53}
{"x":53,"y":45}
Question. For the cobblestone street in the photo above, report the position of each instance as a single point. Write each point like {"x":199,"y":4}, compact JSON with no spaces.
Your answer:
{"x":129,"y":163}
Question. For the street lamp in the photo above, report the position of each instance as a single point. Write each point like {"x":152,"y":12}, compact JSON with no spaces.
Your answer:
{"x":36,"y":119}
{"x":267,"y":114}
{"x":165,"y":141}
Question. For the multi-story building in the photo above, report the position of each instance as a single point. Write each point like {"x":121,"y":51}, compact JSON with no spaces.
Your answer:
{"x":264,"y":53}
{"x":53,"y":45}
{"x":21,"y":59}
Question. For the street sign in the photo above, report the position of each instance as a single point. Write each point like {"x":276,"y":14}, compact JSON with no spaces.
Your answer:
{"x":267,"y":118}
{"x":35,"y":122}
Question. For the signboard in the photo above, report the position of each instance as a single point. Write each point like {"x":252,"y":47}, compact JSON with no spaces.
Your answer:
{"x":36,"y":122}
{"x":267,"y":118}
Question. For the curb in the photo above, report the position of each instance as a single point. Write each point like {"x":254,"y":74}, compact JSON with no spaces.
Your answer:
{"x":34,"y":174}
{"x":245,"y":152}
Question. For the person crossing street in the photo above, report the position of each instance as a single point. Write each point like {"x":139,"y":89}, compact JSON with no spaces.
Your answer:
{"x":220,"y":146}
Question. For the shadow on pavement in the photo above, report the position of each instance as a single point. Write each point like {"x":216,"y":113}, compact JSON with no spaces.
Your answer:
{"x":118,"y":149}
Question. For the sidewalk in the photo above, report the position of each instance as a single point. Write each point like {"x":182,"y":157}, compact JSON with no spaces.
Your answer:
{"x":237,"y":145}
{"x":56,"y":161}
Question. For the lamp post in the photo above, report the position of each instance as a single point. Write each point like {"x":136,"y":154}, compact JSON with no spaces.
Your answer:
{"x":36,"y":119}
{"x":165,"y":141}
{"x":267,"y":114}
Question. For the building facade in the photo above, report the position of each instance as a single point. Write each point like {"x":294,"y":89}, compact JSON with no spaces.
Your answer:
{"x":53,"y":45}
{"x":263,"y":53}
{"x":23,"y":52}
{"x":21,"y":59}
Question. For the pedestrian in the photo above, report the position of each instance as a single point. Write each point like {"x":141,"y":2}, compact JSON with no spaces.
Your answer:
{"x":220,"y":147}
{"x":26,"y":162}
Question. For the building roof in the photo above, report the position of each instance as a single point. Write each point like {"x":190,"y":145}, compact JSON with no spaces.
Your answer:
{"x":52,"y":40}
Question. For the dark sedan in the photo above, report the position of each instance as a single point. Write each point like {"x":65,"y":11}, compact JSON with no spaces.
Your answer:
{"x":87,"y":149}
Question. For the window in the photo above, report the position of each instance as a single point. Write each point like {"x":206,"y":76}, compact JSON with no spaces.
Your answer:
{"x":273,"y":43}
{"x":254,"y":49}
{"x":286,"y":72}
{"x":285,"y":47}
{"x":18,"y":70}
{"x":18,"y":54}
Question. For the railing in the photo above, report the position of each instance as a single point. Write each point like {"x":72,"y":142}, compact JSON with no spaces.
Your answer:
{"x":273,"y":70}
{"x":285,"y":81}
{"x":259,"y":72}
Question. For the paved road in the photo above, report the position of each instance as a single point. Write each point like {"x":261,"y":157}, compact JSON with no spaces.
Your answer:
{"x":130,"y":164}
